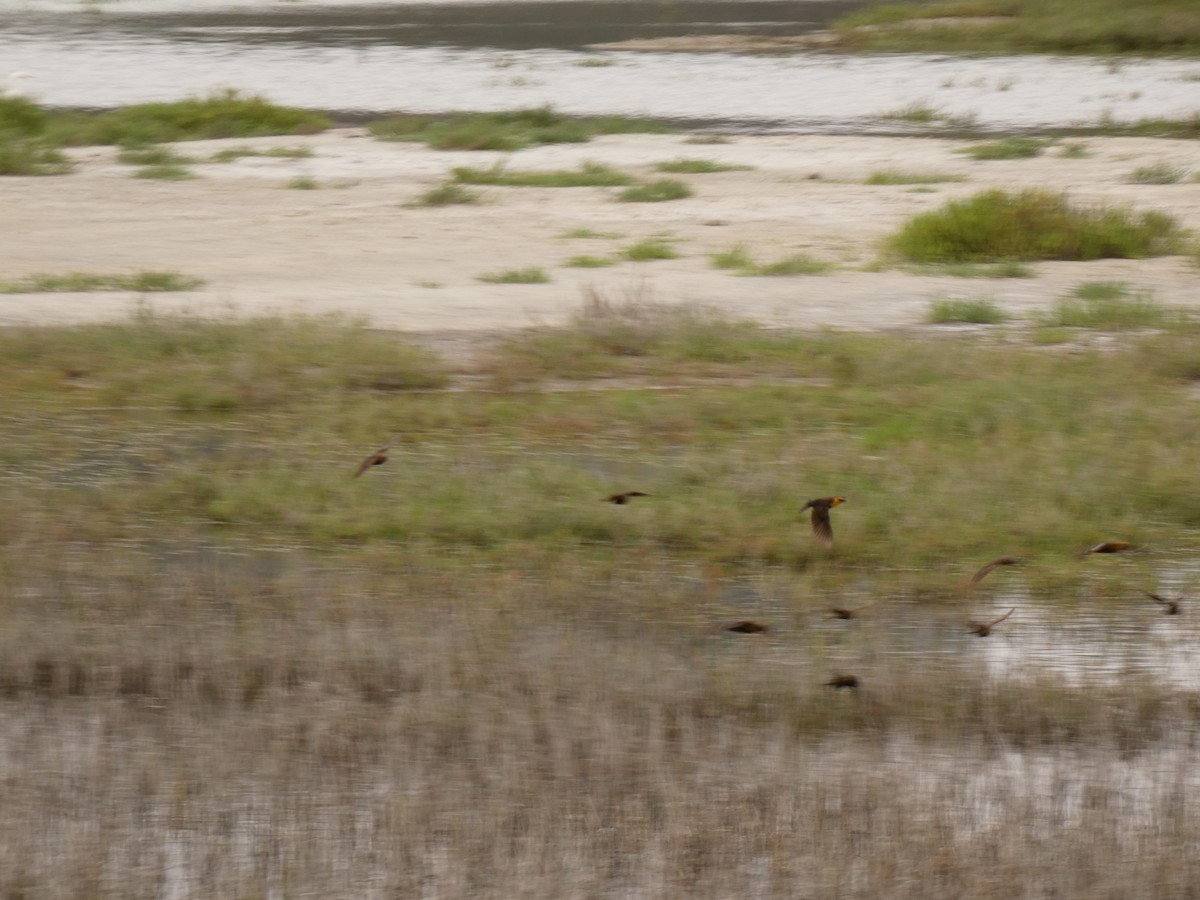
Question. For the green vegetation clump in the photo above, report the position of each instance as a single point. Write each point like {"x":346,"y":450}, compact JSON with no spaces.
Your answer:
{"x":1109,"y":305}
{"x":738,"y":257}
{"x":1006,"y":148}
{"x":78,"y":282}
{"x":655,"y":192}
{"x":590,"y":174}
{"x":226,"y":114}
{"x":1025,"y":26}
{"x":649,"y":249}
{"x":506,"y":131}
{"x":995,"y":226}
{"x":687,"y":166}
{"x":912,"y":178}
{"x":448,"y":193}
{"x":231,"y":154}
{"x":165,"y":172}
{"x":1159,"y":173}
{"x":152,"y":155}
{"x":303,"y":183}
{"x":528,"y":275}
{"x":585,"y":261}
{"x":26,"y":156}
{"x":971,"y":311}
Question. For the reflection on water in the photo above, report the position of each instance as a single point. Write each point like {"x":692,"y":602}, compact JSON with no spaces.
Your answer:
{"x":436,"y":58}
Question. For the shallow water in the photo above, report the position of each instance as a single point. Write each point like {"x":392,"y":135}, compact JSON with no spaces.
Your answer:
{"x":427,"y":58}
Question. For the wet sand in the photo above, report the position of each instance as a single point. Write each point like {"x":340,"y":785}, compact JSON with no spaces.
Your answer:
{"x":354,"y":245}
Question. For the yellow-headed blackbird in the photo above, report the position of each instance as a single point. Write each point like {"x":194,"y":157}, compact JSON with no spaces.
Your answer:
{"x":999,"y":561}
{"x":843,"y":681}
{"x":746,"y":627}
{"x":1108,"y":547}
{"x":983,"y":629}
{"x":623,"y":498}
{"x":1170,"y":604}
{"x":379,"y":457}
{"x":852,"y":612}
{"x":822,"y":529}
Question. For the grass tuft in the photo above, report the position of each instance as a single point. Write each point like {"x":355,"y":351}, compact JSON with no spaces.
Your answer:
{"x":590,"y":262}
{"x":973,"y":311}
{"x":996,"y":226}
{"x":686,"y":166}
{"x":1108,"y":305}
{"x":649,"y":249}
{"x":448,"y":193}
{"x":912,"y":178}
{"x":528,"y":275}
{"x":590,"y":174}
{"x":1007,"y":148}
{"x":1159,"y":173}
{"x":79,"y":282}
{"x":655,"y":192}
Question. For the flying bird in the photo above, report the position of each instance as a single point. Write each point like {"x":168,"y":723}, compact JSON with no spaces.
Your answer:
{"x":1170,"y":604}
{"x":837,"y":682}
{"x":1108,"y":547}
{"x":379,"y":457}
{"x":852,"y":612}
{"x":999,"y":561}
{"x":983,"y":629}
{"x":822,"y":529}
{"x":623,"y":498}
{"x":747,"y":627}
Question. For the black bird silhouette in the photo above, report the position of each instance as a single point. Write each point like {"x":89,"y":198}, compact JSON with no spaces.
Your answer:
{"x":837,"y":682}
{"x":999,"y":561}
{"x":852,"y":612}
{"x":379,"y":457}
{"x":1170,"y":604}
{"x":746,"y":627}
{"x":1108,"y":547}
{"x":822,"y":529}
{"x":623,"y":498}
{"x":983,"y":629}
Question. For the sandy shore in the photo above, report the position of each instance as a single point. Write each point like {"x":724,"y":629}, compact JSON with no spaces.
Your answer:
{"x":354,"y":246}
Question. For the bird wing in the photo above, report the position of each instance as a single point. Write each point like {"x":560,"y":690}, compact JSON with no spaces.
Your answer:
{"x":983,"y":572}
{"x":1002,"y":618}
{"x":366,"y":464}
{"x":379,"y":455}
{"x":821,"y":526}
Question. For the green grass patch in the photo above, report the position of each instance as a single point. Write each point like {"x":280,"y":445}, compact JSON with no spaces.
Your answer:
{"x":225,"y":114}
{"x":506,"y":131}
{"x":578,"y":234}
{"x":1025,"y":26}
{"x":972,"y":311}
{"x":997,"y":226}
{"x":1015,"y":147}
{"x":166,"y":172}
{"x":794,"y":264}
{"x":686,"y":166}
{"x":590,"y":262}
{"x":153,"y":155}
{"x":448,"y":193}
{"x":658,"y":191}
{"x":735,"y":257}
{"x":1159,"y":173}
{"x":891,"y":177}
{"x":589,"y":174}
{"x":1005,"y":269}
{"x":232,"y":154}
{"x":528,"y":275}
{"x":30,"y":156}
{"x":1108,"y":305}
{"x":303,"y":183}
{"x":650,"y":249}
{"x":149,"y":281}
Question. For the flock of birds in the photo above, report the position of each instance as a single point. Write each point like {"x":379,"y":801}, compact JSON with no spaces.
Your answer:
{"x":822,"y":529}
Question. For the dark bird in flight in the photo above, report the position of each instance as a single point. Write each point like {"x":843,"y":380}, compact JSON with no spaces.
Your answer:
{"x":999,"y":561}
{"x":746,"y":627}
{"x":983,"y":629}
{"x":1108,"y":547}
{"x":837,"y":682}
{"x":852,"y":612}
{"x":379,"y":457}
{"x":1170,"y":604}
{"x":623,"y":498}
{"x":822,"y":529}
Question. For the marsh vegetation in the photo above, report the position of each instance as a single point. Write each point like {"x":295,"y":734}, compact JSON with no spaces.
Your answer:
{"x":463,"y":673}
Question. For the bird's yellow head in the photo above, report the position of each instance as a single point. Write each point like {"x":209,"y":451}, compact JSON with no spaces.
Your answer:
{"x":836,"y":500}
